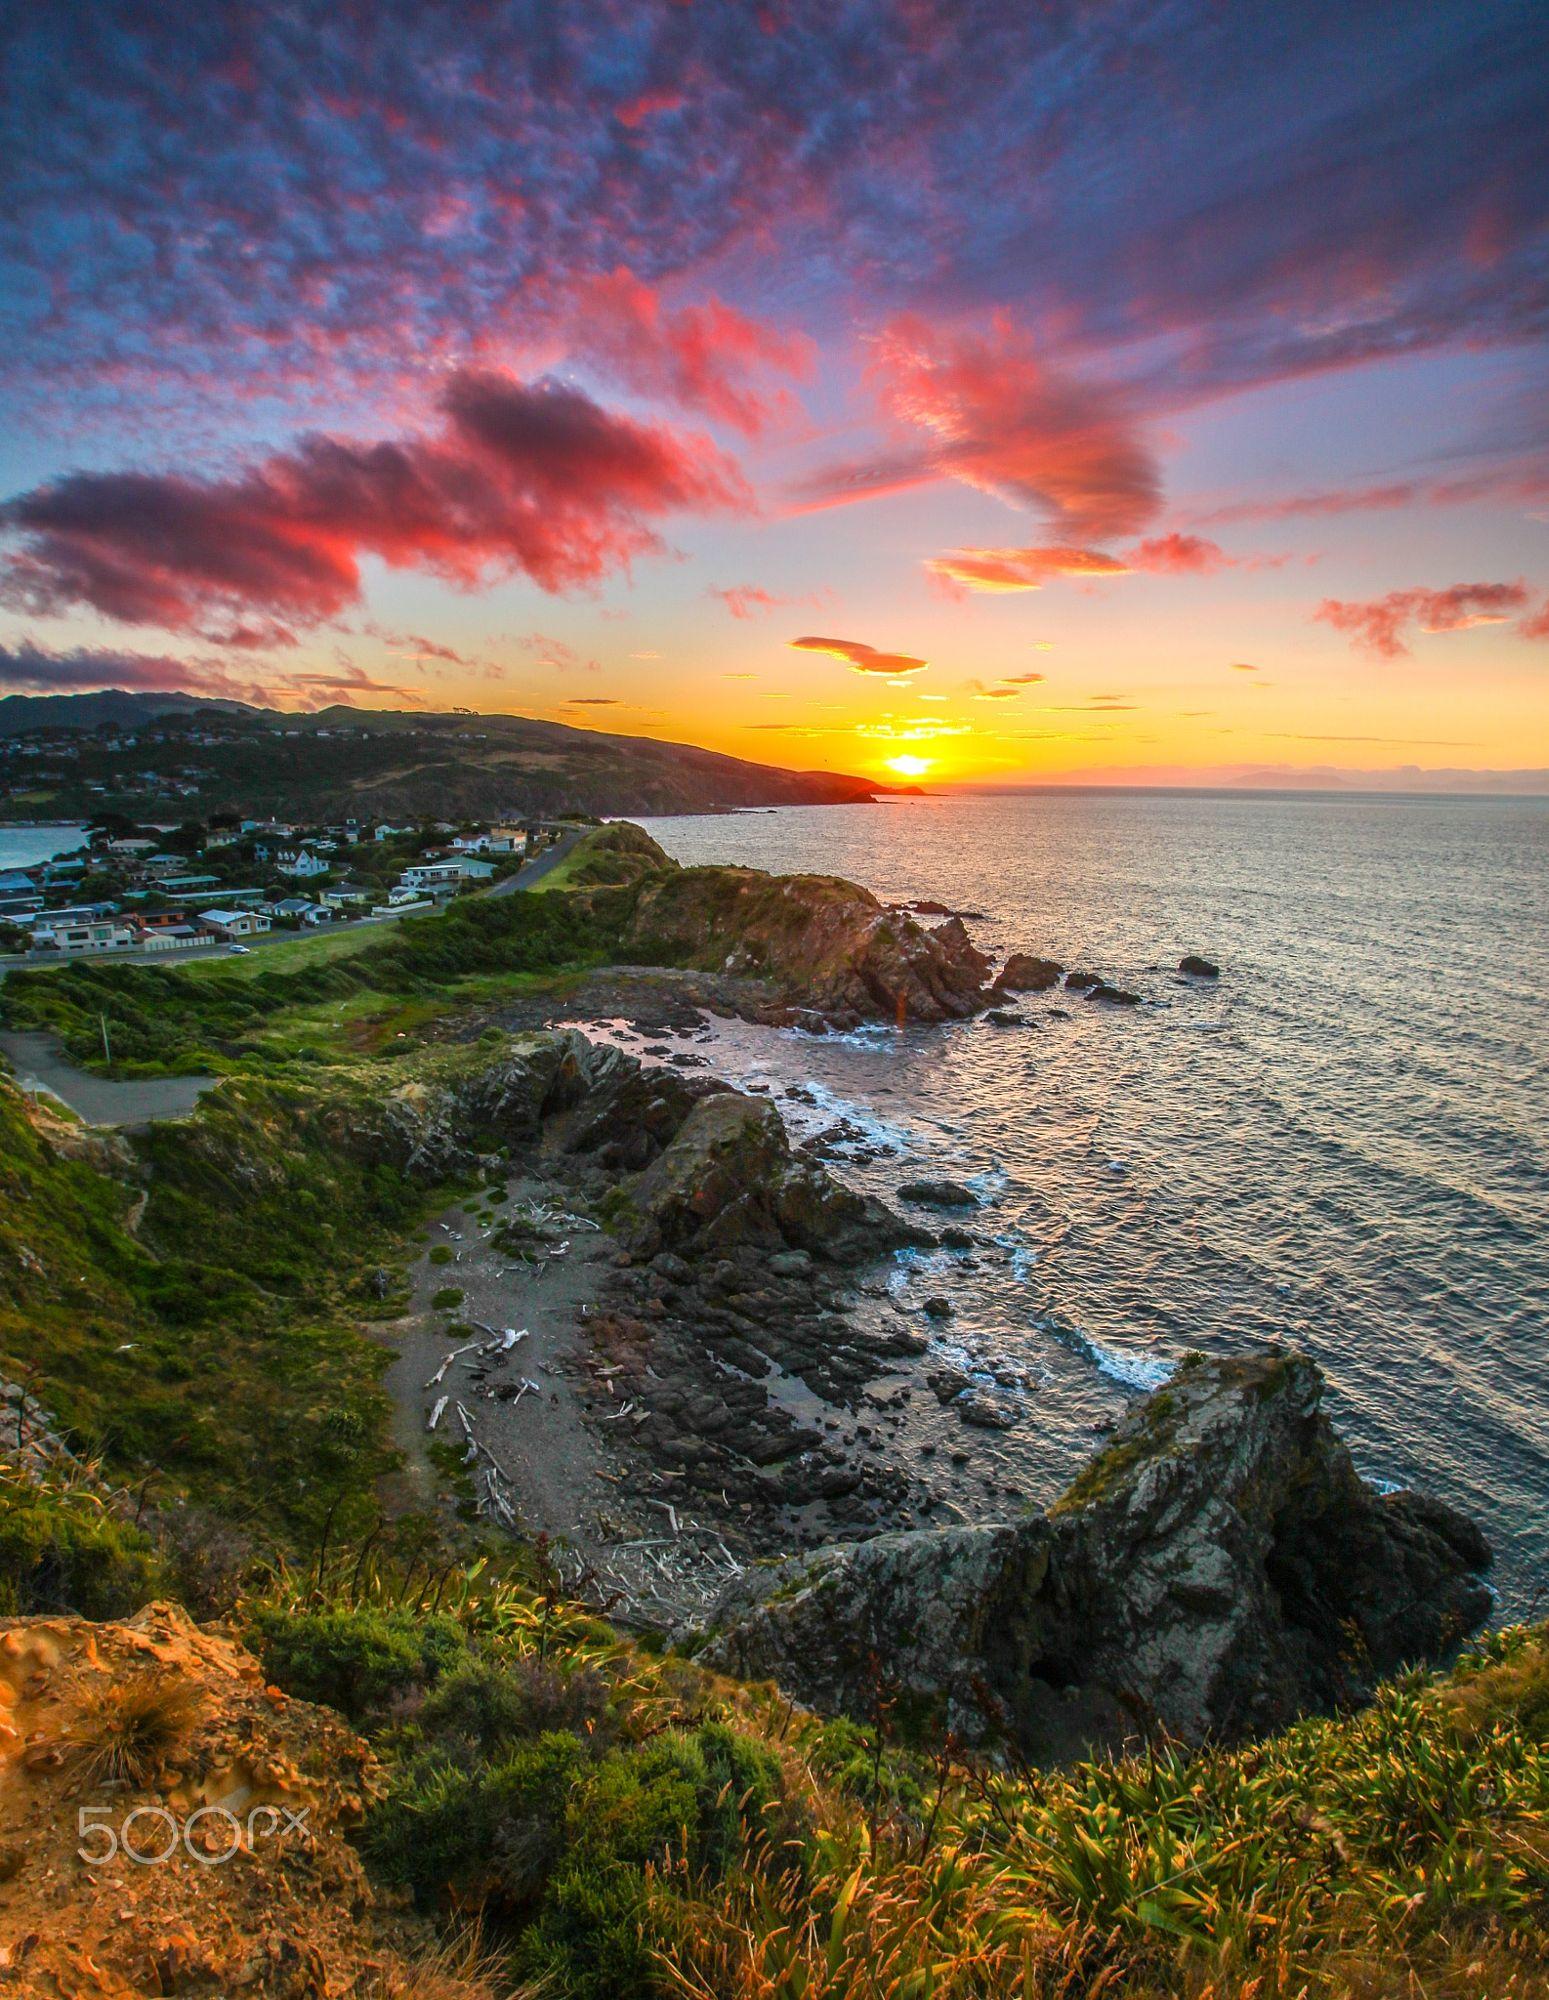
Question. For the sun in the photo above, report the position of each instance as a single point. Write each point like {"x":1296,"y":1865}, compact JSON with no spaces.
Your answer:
{"x":910,"y":767}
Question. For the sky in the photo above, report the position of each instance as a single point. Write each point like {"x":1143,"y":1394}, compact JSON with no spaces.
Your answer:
{"x":1145,"y":391}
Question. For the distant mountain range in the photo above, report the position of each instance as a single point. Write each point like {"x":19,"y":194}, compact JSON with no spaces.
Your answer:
{"x":388,"y":763}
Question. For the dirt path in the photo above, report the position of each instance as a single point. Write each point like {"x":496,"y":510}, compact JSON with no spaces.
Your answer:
{"x":100,"y":1100}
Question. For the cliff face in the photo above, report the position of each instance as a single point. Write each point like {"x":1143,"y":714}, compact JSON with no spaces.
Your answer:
{"x":1220,"y":1568}
{"x":827,"y":945}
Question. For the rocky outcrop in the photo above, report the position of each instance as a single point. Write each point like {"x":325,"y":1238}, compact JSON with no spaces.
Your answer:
{"x":156,"y":1736}
{"x":1198,"y":968}
{"x":1220,"y":1568}
{"x":821,"y":943}
{"x":1023,"y":973}
{"x":728,"y":1179}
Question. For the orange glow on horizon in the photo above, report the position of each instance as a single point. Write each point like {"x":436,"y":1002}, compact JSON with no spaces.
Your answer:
{"x":910,"y":767}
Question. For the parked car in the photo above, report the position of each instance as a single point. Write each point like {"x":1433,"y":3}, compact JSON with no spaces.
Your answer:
{"x":238,"y":950}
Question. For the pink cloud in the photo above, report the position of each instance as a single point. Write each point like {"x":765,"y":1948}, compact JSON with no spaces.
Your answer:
{"x":702,"y":357}
{"x":1379,"y":624}
{"x":1179,"y":555}
{"x":862,"y":658}
{"x":529,"y":478}
{"x":742,"y":600}
{"x":1021,"y":569}
{"x":996,"y":417}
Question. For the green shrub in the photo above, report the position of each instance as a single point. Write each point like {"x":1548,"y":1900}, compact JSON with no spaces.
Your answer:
{"x":483,"y":1706}
{"x":496,"y":1830}
{"x":447,"y":1299}
{"x":63,"y":1551}
{"x":695,"y":1798}
{"x":355,"y":1661}
{"x":442,"y":1254}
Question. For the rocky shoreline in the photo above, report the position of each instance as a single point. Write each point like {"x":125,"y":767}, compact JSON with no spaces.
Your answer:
{"x":693,"y":1392}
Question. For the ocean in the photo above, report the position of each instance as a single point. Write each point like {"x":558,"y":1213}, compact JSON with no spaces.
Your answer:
{"x":25,"y":846}
{"x":1341,"y":1145}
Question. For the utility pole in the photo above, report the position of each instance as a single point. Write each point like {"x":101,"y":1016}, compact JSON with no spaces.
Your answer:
{"x":107,"y":1046}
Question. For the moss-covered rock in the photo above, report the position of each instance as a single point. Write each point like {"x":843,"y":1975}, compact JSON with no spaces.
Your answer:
{"x":1219,"y":1568}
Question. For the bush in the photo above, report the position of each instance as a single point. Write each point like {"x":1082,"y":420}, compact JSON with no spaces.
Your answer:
{"x":494,"y":1831}
{"x":481,"y":1707}
{"x":447,"y":1299}
{"x":695,"y":1798}
{"x":63,"y":1551}
{"x":552,"y":1831}
{"x":442,"y":1254}
{"x":355,"y":1661}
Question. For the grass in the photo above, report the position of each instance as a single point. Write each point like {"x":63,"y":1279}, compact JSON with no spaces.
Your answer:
{"x":131,"y":1728}
{"x":317,"y":1000}
{"x":316,"y":947}
{"x":628,"y":1822}
{"x":191,"y":1308}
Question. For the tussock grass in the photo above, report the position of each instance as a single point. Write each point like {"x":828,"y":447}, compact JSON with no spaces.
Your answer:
{"x":129,"y":1730}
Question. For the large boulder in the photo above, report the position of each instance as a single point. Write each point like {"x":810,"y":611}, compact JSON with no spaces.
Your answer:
{"x":728,"y":1179}
{"x":1218,"y":1569}
{"x":1023,"y":973}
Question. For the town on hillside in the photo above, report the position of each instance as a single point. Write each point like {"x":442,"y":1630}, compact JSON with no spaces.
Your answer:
{"x":153,"y":887}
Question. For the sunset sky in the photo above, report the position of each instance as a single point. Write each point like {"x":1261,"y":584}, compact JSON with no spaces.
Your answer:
{"x":1114,"y":390}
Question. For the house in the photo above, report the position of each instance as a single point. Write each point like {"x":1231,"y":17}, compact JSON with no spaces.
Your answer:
{"x":109,"y":934}
{"x":185,"y":885}
{"x":385,"y":831}
{"x":234,"y":924}
{"x":76,"y":913}
{"x":162,"y":920}
{"x":301,"y":863}
{"x":433,"y":878}
{"x":294,"y":907}
{"x":19,"y":895}
{"x":346,"y":895}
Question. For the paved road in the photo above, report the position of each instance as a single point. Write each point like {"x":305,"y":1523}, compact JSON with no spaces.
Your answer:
{"x":534,"y":871}
{"x":100,"y":1100}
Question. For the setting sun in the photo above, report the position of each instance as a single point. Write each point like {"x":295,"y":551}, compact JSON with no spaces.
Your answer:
{"x":910,"y":767}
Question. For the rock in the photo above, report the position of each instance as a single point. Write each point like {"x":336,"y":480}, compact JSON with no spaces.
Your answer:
{"x":1113,"y":996}
{"x":727,"y":1179}
{"x":1004,"y":1017}
{"x":1079,"y":982}
{"x":1219,"y":1569}
{"x":294,"y":1913}
{"x":1023,"y":973}
{"x":938,"y":1194}
{"x":1199,"y":968}
{"x":953,"y":1238}
{"x":937,"y":1308}
{"x":987,"y":1411}
{"x":790,"y":1263}
{"x":826,"y":945}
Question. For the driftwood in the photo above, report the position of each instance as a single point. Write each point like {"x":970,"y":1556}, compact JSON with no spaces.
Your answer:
{"x":435,"y":1415}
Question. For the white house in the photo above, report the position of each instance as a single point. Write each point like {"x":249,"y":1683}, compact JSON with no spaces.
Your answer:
{"x":107,"y":935}
{"x":300,"y":862}
{"x":432,"y":877}
{"x":233,"y":924}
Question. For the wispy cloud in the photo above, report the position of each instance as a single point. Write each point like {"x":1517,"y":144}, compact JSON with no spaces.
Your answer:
{"x":1381,"y":624}
{"x":862,"y":658}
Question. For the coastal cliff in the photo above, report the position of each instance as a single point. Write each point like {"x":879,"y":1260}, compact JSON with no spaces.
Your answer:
{"x":1219,"y":1569}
